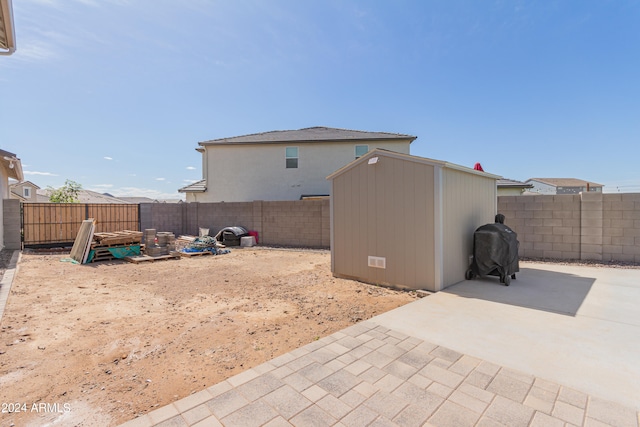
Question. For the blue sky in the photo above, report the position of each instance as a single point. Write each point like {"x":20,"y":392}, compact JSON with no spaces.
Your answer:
{"x":116,"y":94}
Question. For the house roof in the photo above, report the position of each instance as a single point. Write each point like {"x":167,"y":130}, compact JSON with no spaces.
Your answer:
{"x":312,"y":134}
{"x":7,"y":32}
{"x":137,"y":200}
{"x":16,"y":184}
{"x":387,"y":153}
{"x":512,"y":183}
{"x":565,"y":182}
{"x":196,"y":187}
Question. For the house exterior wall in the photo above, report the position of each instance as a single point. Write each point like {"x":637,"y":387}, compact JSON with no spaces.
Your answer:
{"x":385,"y":210}
{"x":468,"y":201}
{"x":510,"y":191}
{"x":541,"y":187}
{"x":247,"y":172}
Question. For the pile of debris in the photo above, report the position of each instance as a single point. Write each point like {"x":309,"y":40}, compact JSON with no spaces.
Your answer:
{"x":158,"y":243}
{"x":90,"y":246}
{"x":202,"y":245}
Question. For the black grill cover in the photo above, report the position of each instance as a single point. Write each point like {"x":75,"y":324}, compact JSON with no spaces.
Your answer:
{"x":230,"y":236}
{"x":495,"y":251}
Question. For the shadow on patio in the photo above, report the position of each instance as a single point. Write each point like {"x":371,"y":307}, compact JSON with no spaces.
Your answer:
{"x":536,"y":289}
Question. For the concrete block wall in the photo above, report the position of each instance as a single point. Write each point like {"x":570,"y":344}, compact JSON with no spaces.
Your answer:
{"x":621,"y":227}
{"x":295,"y":223}
{"x":284,"y":223}
{"x":11,"y":224}
{"x":586,"y":226}
{"x":162,"y":217}
{"x":216,"y":216}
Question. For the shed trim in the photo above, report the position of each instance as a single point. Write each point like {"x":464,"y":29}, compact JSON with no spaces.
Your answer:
{"x":438,"y":232}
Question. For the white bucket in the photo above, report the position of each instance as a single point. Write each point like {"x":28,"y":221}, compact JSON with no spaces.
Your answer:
{"x":247,"y":241}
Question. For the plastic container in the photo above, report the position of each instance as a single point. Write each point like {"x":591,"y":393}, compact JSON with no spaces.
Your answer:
{"x":247,"y":241}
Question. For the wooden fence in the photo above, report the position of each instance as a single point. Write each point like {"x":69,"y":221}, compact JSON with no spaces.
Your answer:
{"x":58,"y":223}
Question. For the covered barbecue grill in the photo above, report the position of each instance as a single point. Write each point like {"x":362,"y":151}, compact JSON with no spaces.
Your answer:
{"x":495,"y":252}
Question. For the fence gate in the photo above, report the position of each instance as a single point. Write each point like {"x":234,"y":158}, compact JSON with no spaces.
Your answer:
{"x":52,"y":224}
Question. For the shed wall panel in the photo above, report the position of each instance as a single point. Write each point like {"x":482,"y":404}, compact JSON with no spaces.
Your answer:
{"x":469,"y":201}
{"x":385,"y":210}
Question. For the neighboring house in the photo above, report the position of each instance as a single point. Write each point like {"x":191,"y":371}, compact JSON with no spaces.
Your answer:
{"x":563,"y":186}
{"x":10,"y":168}
{"x":25,"y":191}
{"x":7,"y":31}
{"x":510,"y":187}
{"x":282,"y":165}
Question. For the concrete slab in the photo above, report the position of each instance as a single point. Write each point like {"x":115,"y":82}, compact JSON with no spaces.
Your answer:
{"x":574,"y":325}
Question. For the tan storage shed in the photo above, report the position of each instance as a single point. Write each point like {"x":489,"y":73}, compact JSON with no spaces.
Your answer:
{"x":405,"y":221}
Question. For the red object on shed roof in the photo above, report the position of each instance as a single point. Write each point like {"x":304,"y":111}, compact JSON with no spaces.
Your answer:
{"x":478,"y":167}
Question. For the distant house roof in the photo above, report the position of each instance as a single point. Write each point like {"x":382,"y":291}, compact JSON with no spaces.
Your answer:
{"x":84,"y":196}
{"x":21,"y":183}
{"x":137,"y":200}
{"x":312,"y":134}
{"x":196,"y":187}
{"x":565,"y":182}
{"x":512,"y":183}
{"x":7,"y":32}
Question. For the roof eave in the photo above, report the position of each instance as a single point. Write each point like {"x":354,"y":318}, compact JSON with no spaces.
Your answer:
{"x":304,"y":141}
{"x":12,"y":165}
{"x":6,"y":14}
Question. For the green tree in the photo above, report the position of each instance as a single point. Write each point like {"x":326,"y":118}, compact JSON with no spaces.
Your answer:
{"x":68,"y":193}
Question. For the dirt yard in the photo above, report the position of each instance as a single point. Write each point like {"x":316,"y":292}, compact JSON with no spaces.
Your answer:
{"x":99,"y":344}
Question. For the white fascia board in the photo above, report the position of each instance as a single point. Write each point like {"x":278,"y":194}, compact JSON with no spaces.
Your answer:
{"x":6,"y":13}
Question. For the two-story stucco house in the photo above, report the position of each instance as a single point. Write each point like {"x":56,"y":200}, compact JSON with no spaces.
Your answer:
{"x":282,"y":165}
{"x":25,"y":191}
{"x":563,"y":186}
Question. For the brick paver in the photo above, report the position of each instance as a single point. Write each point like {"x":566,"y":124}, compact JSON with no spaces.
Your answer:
{"x":367,"y":375}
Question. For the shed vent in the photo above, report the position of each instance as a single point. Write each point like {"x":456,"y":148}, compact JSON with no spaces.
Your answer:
{"x":377,"y":262}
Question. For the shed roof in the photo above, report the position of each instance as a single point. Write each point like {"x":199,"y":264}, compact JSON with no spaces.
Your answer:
{"x":565,"y":182}
{"x":312,"y":134}
{"x":379,"y":152}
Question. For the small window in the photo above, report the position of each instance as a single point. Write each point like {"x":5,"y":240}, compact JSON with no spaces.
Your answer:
{"x":361,"y":150}
{"x":291,"y":156}
{"x":26,"y":192}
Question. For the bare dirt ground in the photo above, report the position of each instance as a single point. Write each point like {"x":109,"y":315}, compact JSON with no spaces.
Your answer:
{"x":100,"y":344}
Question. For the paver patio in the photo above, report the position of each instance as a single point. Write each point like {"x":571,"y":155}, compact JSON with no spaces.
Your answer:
{"x":468,"y":356}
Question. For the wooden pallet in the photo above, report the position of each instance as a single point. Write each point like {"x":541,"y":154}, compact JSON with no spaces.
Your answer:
{"x":117,"y":238}
{"x":190,"y":254}
{"x":143,"y":258}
